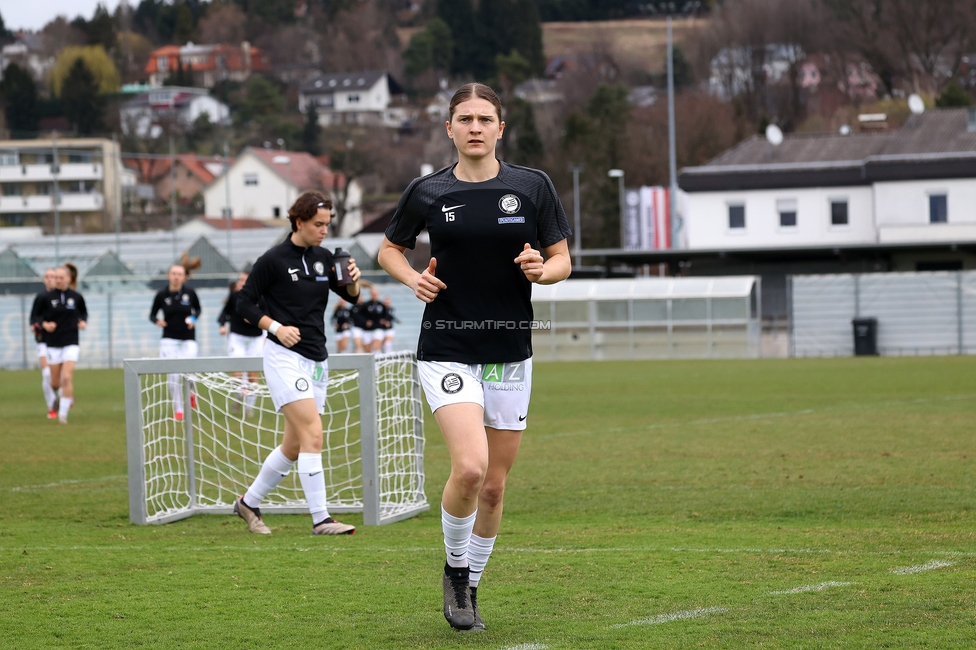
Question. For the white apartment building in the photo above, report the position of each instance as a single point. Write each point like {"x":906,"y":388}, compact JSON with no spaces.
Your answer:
{"x":354,"y":98}
{"x":72,"y":181}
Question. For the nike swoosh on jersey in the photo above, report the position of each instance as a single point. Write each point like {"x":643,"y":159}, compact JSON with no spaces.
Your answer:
{"x":294,"y":270}
{"x":453,"y":207}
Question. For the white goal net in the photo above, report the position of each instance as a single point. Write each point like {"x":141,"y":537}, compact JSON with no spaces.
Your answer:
{"x":373,"y":443}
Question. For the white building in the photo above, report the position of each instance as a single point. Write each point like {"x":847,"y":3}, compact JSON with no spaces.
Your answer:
{"x":263,"y":183}
{"x":896,"y":193}
{"x":354,"y":98}
{"x":145,"y":114}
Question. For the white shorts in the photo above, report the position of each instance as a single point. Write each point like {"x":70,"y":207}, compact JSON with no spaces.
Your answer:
{"x":239,"y":345}
{"x":342,"y":336}
{"x":56,"y":356}
{"x":177,"y":349}
{"x":41,"y":350}
{"x":291,"y":377}
{"x":389,"y":334}
{"x":357,"y":333}
{"x":502,"y":389}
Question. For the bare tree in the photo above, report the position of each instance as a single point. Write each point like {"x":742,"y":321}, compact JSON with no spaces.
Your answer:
{"x":224,"y":23}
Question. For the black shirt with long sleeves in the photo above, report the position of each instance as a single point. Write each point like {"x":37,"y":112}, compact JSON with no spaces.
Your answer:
{"x":176,"y":306}
{"x":36,"y":309}
{"x":295,"y":283}
{"x":65,"y":309}
{"x":341,"y":319}
{"x":374,"y":311}
{"x":237,"y":323}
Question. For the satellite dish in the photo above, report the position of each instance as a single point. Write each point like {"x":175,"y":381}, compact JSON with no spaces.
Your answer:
{"x":916,"y":105}
{"x":774,"y":135}
{"x":845,"y":130}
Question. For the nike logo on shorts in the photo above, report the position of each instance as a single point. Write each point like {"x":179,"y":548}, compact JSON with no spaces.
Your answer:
{"x":521,"y":418}
{"x":315,"y":473}
{"x":453,"y":207}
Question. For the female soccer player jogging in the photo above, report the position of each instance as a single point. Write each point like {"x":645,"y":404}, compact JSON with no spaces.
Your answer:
{"x":485,"y":219}
{"x":295,"y":278}
{"x":62,"y":316}
{"x":50,"y":397}
{"x":243,"y":338}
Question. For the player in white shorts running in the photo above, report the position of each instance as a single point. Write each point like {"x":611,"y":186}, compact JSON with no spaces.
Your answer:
{"x":342,"y":324}
{"x":295,"y":278}
{"x":63,"y":315}
{"x":180,"y":309}
{"x":485,"y":219}
{"x":243,"y":339}
{"x":389,"y":327}
{"x":50,"y":397}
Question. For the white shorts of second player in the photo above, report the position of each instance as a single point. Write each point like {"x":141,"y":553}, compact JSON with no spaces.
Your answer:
{"x":342,"y":336}
{"x":291,"y":377}
{"x":502,"y":389}
{"x":57,"y":356}
{"x":239,"y":345}
{"x":41,"y":350}
{"x":177,"y":349}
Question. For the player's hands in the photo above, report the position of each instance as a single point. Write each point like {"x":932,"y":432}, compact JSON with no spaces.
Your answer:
{"x":426,"y":286}
{"x":49,"y":326}
{"x":353,"y":270}
{"x":531,"y":262}
{"x":288,"y":335}
{"x":190,"y":322}
{"x":82,"y":324}
{"x":223,"y":330}
{"x":161,"y":323}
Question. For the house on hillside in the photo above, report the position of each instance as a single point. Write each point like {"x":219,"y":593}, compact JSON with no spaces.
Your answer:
{"x":733,"y":70}
{"x":147,"y":113}
{"x":263,"y":183}
{"x":190,"y":174}
{"x":355,"y":98}
{"x":28,"y":52}
{"x":209,"y":64}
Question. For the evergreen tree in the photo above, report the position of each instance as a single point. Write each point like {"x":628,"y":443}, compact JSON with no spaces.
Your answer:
{"x":459,"y":18}
{"x":80,"y":101}
{"x":312,"y":131}
{"x":18,"y":93}
{"x":185,"y":24}
{"x":520,"y":127}
{"x":504,"y":25}
{"x":100,"y":30}
{"x":953,"y":96}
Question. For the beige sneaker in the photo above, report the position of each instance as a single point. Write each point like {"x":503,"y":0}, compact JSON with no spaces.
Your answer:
{"x":252,"y":516}
{"x":332,"y":527}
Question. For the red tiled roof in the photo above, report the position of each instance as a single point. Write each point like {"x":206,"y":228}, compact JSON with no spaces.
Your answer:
{"x":151,"y":170}
{"x":301,"y":170}
{"x":232,"y":58}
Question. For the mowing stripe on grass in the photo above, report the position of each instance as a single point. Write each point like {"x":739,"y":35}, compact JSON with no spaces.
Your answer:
{"x":919,"y":568}
{"x":674,"y":616}
{"x":807,"y":588}
{"x":23,"y":488}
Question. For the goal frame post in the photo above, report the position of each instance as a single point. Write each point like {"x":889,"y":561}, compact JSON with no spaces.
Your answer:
{"x":363,"y":364}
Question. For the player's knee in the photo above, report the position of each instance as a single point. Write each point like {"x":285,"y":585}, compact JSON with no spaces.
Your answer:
{"x":492,"y":493}
{"x":470,"y":476}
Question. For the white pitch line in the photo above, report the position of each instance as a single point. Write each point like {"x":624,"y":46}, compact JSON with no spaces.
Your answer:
{"x":526,"y":646}
{"x":808,"y":588}
{"x":674,"y":616}
{"x":919,"y":568}
{"x":23,"y":488}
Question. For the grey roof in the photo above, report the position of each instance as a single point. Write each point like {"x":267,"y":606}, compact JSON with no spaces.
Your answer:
{"x":330,"y":83}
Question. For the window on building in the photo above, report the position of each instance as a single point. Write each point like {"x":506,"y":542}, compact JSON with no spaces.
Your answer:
{"x":353,"y":99}
{"x":80,"y":156}
{"x":938,"y":208}
{"x":838,"y":212}
{"x":737,"y":216}
{"x":277,"y":212}
{"x":44,"y":189}
{"x":8,"y":158}
{"x":15,"y":220}
{"x":162,"y":63}
{"x":787,"y":212}
{"x":250,"y":179}
{"x":12,"y":189}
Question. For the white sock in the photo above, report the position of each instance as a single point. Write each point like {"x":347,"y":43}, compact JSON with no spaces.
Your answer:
{"x":175,"y":392}
{"x":49,"y":394}
{"x":313,"y":483}
{"x":65,"y":405}
{"x":387,"y":346}
{"x":479,"y":550}
{"x":457,"y":534}
{"x":249,"y":399}
{"x":275,"y":467}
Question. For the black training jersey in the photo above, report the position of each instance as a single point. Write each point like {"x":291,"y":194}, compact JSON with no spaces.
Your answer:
{"x":65,"y":309}
{"x":373,"y":311}
{"x":36,"y":309}
{"x":476,"y":231}
{"x":176,"y":306}
{"x":295,"y":284}
{"x":358,"y":315}
{"x":341,"y":319}
{"x":389,"y":317}
{"x":237,"y":323}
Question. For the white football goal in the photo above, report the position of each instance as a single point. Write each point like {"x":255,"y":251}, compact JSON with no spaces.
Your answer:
{"x":373,"y":437}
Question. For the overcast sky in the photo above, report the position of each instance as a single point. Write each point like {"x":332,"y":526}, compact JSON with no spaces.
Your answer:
{"x":34,"y":14}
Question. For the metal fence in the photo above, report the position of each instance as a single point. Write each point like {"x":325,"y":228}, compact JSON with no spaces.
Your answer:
{"x":917,"y":313}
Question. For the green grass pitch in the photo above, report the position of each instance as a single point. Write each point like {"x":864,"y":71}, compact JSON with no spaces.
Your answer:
{"x":687,"y":504}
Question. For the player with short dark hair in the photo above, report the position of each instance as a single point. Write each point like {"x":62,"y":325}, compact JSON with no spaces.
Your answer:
{"x":295,"y":278}
{"x":63,"y":314}
{"x":485,"y":219}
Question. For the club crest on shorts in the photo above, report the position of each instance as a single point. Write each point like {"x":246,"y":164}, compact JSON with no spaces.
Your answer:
{"x":319,"y":268}
{"x":302,"y":384}
{"x":451,"y":383}
{"x":509,"y":204}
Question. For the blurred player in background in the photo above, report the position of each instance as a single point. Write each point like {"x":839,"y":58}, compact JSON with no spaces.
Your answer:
{"x":342,"y":324}
{"x":389,"y":328}
{"x":175,"y":309}
{"x":243,"y":338}
{"x":62,"y":316}
{"x":50,"y":397}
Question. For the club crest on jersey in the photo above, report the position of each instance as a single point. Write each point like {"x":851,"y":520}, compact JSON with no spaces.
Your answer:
{"x":319,"y":268}
{"x":71,"y":303}
{"x":509,"y":204}
{"x":451,"y":383}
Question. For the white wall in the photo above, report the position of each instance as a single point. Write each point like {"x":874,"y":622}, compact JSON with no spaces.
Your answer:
{"x":217,"y":110}
{"x":252,"y":201}
{"x":707,"y":220}
{"x":907,"y":202}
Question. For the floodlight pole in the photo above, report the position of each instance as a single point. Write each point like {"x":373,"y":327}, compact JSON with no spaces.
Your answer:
{"x":672,"y":157}
{"x":172,"y":182}
{"x":619,"y":175}
{"x":227,"y":210}
{"x":577,"y":226}
{"x":56,"y":198}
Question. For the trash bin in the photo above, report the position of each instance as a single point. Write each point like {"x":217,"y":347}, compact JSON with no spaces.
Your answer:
{"x":865,"y":337}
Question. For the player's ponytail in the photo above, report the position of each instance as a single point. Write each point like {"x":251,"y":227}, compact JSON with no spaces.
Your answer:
{"x":189,"y":264}
{"x":72,"y":274}
{"x":306,"y":207}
